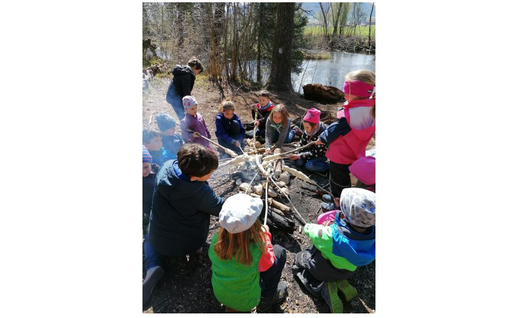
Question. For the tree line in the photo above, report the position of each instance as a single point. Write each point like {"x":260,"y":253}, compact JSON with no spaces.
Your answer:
{"x":234,"y":39}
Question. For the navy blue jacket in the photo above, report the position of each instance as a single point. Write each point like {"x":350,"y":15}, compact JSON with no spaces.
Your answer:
{"x":181,"y":212}
{"x":229,"y":130}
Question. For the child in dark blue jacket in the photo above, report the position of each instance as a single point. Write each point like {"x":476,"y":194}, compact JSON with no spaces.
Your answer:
{"x":228,"y":127}
{"x":182,"y":205}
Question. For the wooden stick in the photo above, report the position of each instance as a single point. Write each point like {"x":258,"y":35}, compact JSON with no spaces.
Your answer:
{"x":229,"y":151}
{"x":266,"y":205}
{"x":301,"y":219}
{"x":273,"y":157}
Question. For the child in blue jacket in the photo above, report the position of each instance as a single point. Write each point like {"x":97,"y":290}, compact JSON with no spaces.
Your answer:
{"x":228,"y":127}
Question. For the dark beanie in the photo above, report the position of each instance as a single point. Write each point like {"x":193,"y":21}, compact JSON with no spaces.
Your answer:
{"x":165,"y":122}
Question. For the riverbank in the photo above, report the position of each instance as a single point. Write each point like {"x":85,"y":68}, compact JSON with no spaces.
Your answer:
{"x":186,"y":287}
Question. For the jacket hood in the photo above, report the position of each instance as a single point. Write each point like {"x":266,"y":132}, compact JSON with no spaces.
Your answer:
{"x":168,"y":179}
{"x":357,"y":248}
{"x":182,"y":69}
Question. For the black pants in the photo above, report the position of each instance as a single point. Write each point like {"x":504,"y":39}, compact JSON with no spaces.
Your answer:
{"x":322,"y":269}
{"x":271,"y":277}
{"x":339,"y":178}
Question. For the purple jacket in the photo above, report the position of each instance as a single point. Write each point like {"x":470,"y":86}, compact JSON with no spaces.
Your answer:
{"x":196,"y":124}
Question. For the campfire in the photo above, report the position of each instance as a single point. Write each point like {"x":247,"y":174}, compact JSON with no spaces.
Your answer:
{"x":266,"y":176}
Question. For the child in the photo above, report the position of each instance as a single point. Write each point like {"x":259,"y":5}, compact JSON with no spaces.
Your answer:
{"x":262,"y":111}
{"x":182,"y":84}
{"x":348,"y":137}
{"x":170,"y":140}
{"x":340,"y":248}
{"x":229,"y":129}
{"x":149,"y":171}
{"x":313,"y":157}
{"x":278,"y":128}
{"x":193,"y":123}
{"x":246,"y":268}
{"x":152,"y":140}
{"x":182,"y":205}
{"x":362,"y":173}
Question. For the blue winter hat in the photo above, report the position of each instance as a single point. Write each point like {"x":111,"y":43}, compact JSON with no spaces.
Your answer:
{"x":165,"y":122}
{"x":146,"y":156}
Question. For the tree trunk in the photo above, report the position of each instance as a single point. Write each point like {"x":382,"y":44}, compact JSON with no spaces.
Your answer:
{"x":234,"y":51}
{"x":280,"y":74}
{"x":370,"y":28}
{"x":258,"y":47}
{"x":326,"y":23}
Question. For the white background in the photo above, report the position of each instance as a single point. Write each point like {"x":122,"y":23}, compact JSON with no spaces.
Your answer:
{"x":71,"y":136}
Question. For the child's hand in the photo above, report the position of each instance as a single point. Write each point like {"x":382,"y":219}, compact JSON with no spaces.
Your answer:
{"x":257,"y":123}
{"x":264,"y":228}
{"x":196,"y":134}
{"x":319,"y":142}
{"x":267,"y":151}
{"x":237,"y":144}
{"x":293,"y":157}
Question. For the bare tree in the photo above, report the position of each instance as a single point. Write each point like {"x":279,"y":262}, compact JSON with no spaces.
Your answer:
{"x":370,"y":27}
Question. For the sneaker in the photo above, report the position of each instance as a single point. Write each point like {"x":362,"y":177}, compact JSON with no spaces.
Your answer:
{"x":152,"y":277}
{"x":301,"y":258}
{"x":280,"y":295}
{"x":330,"y":295}
{"x":348,"y":291}
{"x":327,"y":198}
{"x":326,"y":207}
{"x":310,"y":283}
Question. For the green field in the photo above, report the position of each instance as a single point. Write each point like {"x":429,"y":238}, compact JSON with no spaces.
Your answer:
{"x":361,"y":31}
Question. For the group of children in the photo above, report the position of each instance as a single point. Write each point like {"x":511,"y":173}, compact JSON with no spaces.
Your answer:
{"x":246,"y":266}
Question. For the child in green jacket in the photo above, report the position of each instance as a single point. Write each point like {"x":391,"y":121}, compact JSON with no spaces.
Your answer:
{"x":246,"y":268}
{"x":341,"y":247}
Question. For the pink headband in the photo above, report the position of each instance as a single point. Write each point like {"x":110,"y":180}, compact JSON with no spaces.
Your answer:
{"x":358,"y":88}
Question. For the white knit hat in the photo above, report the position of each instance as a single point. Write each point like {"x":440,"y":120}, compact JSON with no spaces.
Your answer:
{"x":239,"y":212}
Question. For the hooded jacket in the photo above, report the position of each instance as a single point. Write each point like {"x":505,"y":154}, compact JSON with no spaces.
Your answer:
{"x":345,"y":248}
{"x":181,"y":212}
{"x":349,"y":136}
{"x":183,"y":80}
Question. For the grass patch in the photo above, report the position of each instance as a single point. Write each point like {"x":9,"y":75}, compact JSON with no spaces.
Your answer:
{"x":317,"y":56}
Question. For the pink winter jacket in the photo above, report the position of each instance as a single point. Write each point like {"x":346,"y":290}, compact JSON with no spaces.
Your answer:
{"x":351,"y":145}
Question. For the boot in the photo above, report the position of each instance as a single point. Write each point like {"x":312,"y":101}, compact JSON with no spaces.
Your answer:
{"x":280,"y":295}
{"x":153,"y":275}
{"x":330,"y":295}
{"x":348,"y":291}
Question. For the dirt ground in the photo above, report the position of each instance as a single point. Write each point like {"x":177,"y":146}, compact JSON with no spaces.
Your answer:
{"x":186,"y":286}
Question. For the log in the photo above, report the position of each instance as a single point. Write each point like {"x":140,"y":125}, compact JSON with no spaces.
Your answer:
{"x":278,"y":222}
{"x":279,"y":205}
{"x":323,"y":94}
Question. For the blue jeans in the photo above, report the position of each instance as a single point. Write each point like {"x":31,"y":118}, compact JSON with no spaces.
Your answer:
{"x":151,"y":257}
{"x":314,"y":165}
{"x":270,"y":278}
{"x":274,"y":135}
{"x":176,"y":101}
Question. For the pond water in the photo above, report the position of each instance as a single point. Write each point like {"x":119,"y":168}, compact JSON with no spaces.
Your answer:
{"x":331,"y":72}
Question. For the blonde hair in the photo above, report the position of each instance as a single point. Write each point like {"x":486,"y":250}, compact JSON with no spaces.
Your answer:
{"x":237,"y":245}
{"x":279,"y":108}
{"x":364,"y":76}
{"x":226,"y":105}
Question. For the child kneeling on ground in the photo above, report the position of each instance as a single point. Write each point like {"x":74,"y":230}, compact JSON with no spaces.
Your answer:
{"x":246,"y":268}
{"x":182,"y":205}
{"x":340,"y":248}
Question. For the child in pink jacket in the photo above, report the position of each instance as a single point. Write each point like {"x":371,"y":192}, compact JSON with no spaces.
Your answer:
{"x":348,"y":137}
